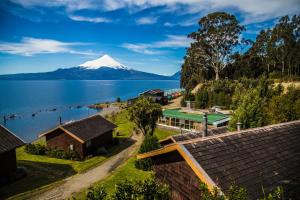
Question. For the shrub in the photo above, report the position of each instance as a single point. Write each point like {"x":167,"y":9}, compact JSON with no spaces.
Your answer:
{"x":233,"y":193}
{"x":63,"y":154}
{"x":150,"y":143}
{"x":35,"y":149}
{"x":147,"y":189}
{"x":150,"y":189}
{"x":96,"y":193}
{"x":125,"y":190}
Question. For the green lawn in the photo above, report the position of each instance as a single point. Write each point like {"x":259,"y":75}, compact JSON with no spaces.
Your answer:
{"x":163,"y":133}
{"x":125,"y":126}
{"x":44,"y":171}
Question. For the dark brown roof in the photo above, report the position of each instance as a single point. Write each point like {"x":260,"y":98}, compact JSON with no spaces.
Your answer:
{"x":153,"y":92}
{"x":254,"y":158}
{"x":8,"y":140}
{"x":89,"y":128}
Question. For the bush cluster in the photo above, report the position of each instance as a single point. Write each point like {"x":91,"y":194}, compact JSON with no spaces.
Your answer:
{"x":150,"y":143}
{"x":63,"y":154}
{"x":265,"y":104}
{"x":38,"y":149}
{"x":148,"y":189}
{"x":35,"y":149}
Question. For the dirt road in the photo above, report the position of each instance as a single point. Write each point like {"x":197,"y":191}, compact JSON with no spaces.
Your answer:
{"x":79,"y":182}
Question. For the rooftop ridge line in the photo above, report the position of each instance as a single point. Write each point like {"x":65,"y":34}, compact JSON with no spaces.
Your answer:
{"x":238,"y":132}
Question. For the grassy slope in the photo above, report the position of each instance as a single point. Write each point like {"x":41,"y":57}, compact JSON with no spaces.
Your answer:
{"x":125,"y":126}
{"x":43,"y":170}
{"x":163,"y":133}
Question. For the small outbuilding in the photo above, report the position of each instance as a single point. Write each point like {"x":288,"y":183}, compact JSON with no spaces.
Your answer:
{"x":84,"y":136}
{"x":258,"y":159}
{"x":8,"y":144}
{"x":157,"y":96}
{"x":186,"y":120}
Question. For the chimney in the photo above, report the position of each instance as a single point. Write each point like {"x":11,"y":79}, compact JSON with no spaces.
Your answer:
{"x":4,"y":120}
{"x":60,"y":121}
{"x":238,"y":126}
{"x":204,"y":125}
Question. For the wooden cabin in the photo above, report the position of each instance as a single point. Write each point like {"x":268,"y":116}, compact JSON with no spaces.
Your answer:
{"x":157,"y":96}
{"x":8,"y":144}
{"x":257,"y":159}
{"x":84,"y":136}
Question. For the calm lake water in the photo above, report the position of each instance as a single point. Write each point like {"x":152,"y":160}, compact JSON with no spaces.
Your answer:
{"x":68,"y":99}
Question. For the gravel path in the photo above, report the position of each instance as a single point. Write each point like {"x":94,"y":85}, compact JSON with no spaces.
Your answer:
{"x":79,"y":182}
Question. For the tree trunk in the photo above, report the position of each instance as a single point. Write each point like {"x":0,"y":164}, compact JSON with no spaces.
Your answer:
{"x":217,"y":75}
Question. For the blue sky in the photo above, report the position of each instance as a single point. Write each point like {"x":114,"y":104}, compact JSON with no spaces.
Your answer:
{"x":147,"y":35}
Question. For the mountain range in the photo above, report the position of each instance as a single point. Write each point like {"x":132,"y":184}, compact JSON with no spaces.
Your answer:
{"x":103,"y":68}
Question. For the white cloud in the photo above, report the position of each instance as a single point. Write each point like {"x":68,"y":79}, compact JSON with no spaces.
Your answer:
{"x":146,"y":20}
{"x":89,"y":19}
{"x":70,"y":5}
{"x":141,"y":48}
{"x":172,"y":41}
{"x":252,"y":11}
{"x":31,"y":46}
{"x":169,"y":24}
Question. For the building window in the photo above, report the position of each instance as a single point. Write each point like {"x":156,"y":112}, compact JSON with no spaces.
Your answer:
{"x":72,"y":147}
{"x":88,"y":143}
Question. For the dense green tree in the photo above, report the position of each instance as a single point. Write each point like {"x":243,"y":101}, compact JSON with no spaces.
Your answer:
{"x":202,"y":98}
{"x":145,"y":113}
{"x":275,"y":51}
{"x":213,"y":44}
{"x":285,"y":107}
{"x":251,"y":111}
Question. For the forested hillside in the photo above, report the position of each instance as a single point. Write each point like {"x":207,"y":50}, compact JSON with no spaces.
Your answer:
{"x":240,"y":74}
{"x":219,"y":51}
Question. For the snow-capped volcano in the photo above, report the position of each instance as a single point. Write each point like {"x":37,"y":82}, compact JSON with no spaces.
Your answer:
{"x":104,"y":61}
{"x":103,"y":68}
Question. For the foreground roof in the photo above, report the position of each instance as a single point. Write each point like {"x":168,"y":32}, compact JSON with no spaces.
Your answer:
{"x":211,"y":118}
{"x":254,"y":158}
{"x":86,"y":129}
{"x":8,"y":140}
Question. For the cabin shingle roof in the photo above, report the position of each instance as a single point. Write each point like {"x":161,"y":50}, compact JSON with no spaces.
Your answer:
{"x":153,"y":92}
{"x":90,"y":127}
{"x":8,"y":140}
{"x":254,"y":158}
